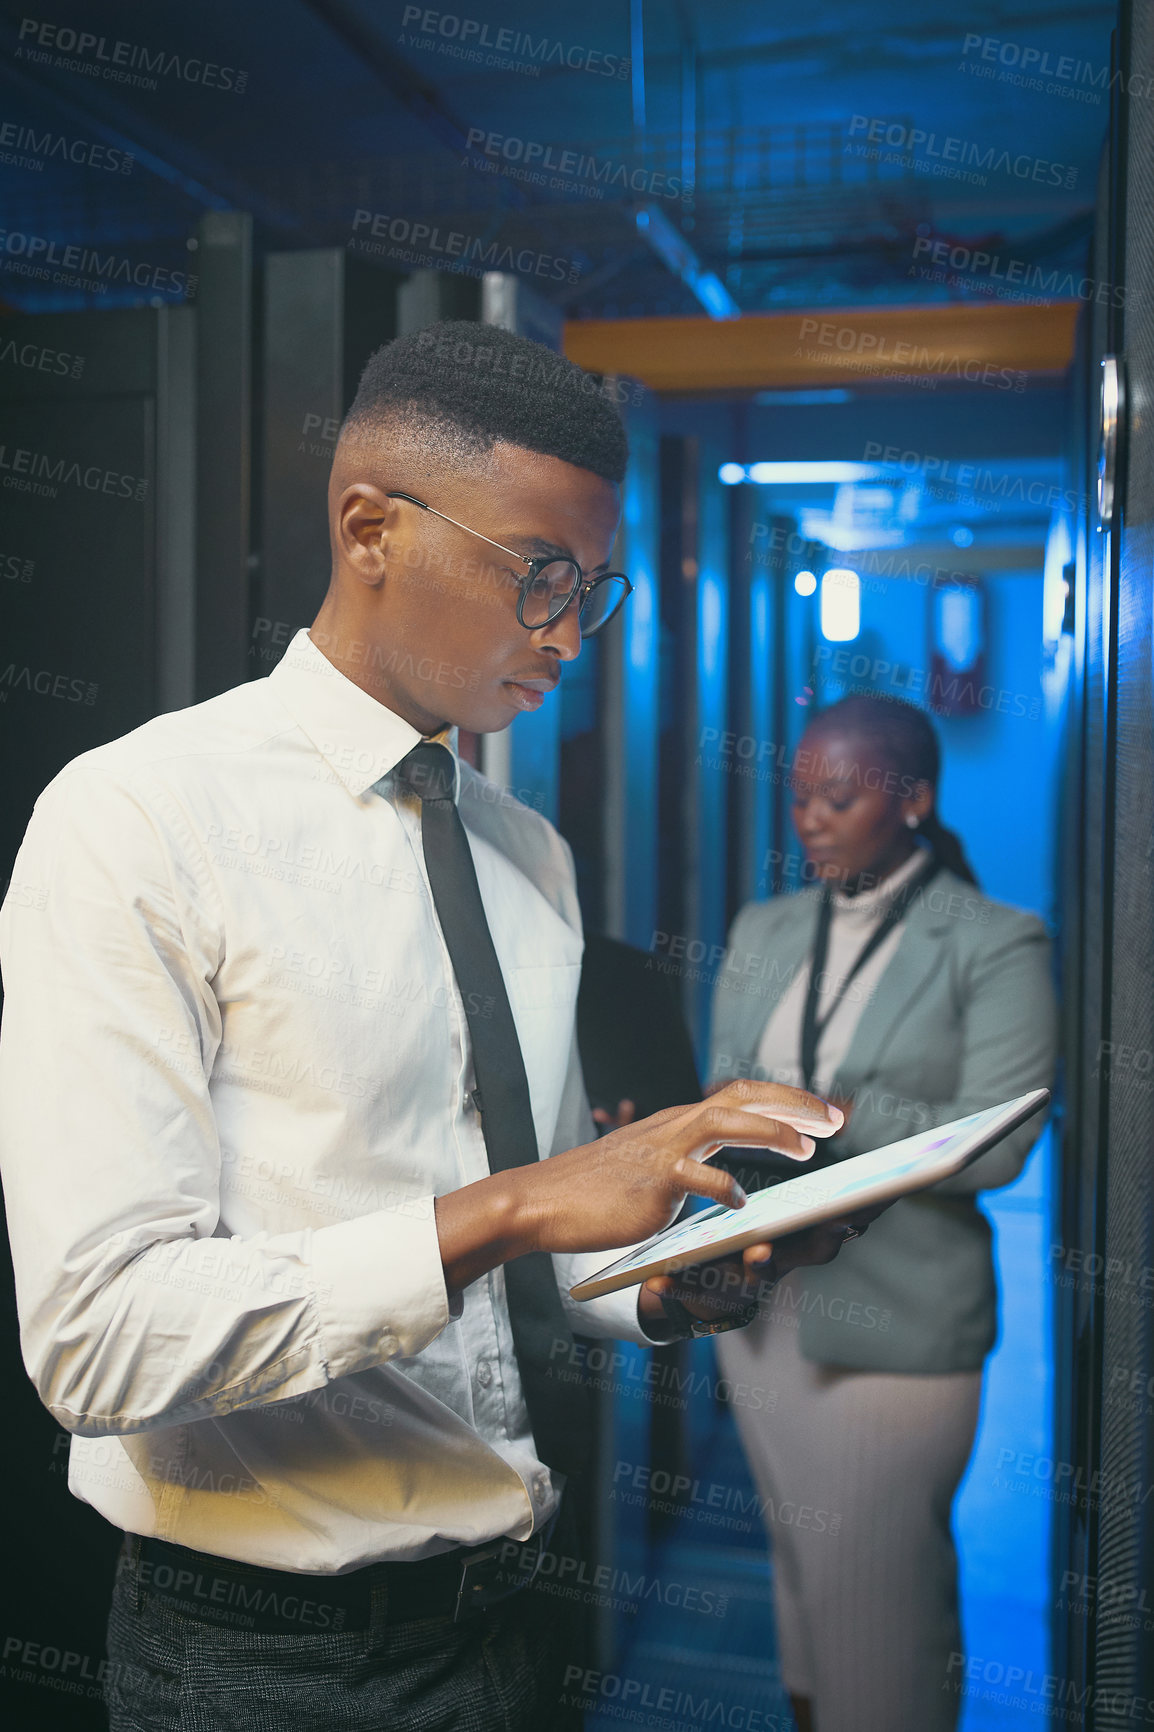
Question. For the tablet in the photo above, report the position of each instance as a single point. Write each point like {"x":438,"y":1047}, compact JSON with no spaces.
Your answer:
{"x":861,"y":1182}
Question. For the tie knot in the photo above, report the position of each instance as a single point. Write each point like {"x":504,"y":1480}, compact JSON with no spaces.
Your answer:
{"x":429,"y":771}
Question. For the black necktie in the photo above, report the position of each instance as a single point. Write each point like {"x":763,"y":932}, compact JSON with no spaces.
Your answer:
{"x":559,"y":1406}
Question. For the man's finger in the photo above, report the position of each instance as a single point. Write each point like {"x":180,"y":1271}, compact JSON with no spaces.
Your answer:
{"x":698,"y":1179}
{"x":716,"y":1125}
{"x":793,"y":1106}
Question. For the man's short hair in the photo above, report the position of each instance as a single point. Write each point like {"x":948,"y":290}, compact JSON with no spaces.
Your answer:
{"x":461,"y":387}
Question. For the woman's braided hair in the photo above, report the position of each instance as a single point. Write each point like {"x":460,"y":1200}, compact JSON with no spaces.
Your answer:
{"x":908,"y":740}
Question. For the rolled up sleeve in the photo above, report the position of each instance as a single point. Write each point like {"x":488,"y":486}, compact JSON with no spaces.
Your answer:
{"x":137,"y":1309}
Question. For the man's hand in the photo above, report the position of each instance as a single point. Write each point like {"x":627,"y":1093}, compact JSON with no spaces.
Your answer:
{"x":845,"y":1105}
{"x":627,"y":1185}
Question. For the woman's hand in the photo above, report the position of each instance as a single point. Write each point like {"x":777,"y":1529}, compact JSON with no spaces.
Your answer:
{"x":714,"y":1292}
{"x":625,"y":1115}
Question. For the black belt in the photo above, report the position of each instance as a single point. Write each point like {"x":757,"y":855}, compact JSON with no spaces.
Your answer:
{"x":241,"y":1596}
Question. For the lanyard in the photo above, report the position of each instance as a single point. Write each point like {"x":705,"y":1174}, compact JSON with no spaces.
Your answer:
{"x":812,"y":1028}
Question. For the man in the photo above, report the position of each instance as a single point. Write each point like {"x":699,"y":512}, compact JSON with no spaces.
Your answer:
{"x":290,"y":1023}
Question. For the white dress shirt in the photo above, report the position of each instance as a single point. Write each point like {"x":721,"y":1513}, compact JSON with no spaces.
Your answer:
{"x":234,"y":1075}
{"x":853,"y":921}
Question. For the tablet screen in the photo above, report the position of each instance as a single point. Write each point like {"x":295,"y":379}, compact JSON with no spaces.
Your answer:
{"x":835,"y":1191}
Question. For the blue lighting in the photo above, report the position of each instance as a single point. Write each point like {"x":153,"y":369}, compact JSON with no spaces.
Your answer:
{"x":674,"y":251}
{"x":731,"y":474}
{"x":711,"y":622}
{"x":714,"y":296}
{"x":961,"y":536}
{"x":792,"y":399}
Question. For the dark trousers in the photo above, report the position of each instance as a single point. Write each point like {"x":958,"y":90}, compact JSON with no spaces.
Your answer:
{"x":175,"y":1671}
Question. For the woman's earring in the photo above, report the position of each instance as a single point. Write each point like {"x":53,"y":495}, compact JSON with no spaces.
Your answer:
{"x":911,"y":820}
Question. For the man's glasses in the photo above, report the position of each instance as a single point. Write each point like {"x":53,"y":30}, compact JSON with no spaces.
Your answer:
{"x":550,"y":584}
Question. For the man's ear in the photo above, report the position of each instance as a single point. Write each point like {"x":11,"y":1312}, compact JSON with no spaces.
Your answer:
{"x":362,"y":521}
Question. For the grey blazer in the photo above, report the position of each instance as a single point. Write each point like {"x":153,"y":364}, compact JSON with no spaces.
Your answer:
{"x":963,"y":1017}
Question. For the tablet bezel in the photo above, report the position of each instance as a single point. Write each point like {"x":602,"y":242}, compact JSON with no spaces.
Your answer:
{"x":885,"y":1189}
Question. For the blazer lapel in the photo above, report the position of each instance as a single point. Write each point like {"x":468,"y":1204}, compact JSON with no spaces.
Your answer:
{"x":784,"y":942}
{"x":915,"y":962}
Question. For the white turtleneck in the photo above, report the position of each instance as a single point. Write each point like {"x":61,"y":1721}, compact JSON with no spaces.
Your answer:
{"x":854,"y":919}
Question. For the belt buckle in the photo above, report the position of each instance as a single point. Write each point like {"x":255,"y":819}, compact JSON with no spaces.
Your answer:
{"x":484,"y":1582}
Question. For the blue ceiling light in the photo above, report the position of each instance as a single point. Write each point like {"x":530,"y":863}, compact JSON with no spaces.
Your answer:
{"x":800,"y":399}
{"x":675,"y":252}
{"x":961,"y":536}
{"x":731,"y":474}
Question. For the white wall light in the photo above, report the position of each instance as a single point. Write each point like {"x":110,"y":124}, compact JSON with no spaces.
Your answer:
{"x":800,"y":474}
{"x":805,"y":583}
{"x":840,"y":604}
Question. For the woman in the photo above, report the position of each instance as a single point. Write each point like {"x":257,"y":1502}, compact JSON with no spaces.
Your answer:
{"x":927,"y":1002}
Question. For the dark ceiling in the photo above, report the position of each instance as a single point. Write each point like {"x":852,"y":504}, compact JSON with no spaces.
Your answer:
{"x":660,"y":158}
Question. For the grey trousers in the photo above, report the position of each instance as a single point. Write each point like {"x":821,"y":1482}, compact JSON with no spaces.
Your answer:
{"x":173,"y":1672}
{"x":856,"y":1472}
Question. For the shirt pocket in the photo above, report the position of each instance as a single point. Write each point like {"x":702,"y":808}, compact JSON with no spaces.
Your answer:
{"x":543,"y":998}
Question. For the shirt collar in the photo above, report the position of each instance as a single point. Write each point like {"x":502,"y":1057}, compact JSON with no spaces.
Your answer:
{"x":875,"y":900}
{"x":359,"y":738}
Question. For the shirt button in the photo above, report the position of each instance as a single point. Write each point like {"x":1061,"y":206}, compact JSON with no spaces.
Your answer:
{"x":484,"y":1373}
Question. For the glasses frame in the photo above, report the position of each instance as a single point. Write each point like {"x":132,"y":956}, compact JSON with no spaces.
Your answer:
{"x":582,"y":585}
